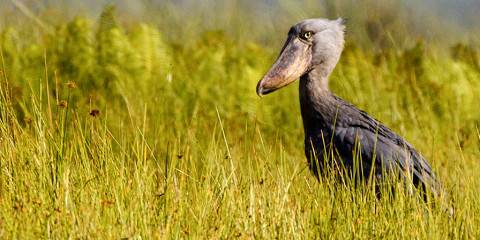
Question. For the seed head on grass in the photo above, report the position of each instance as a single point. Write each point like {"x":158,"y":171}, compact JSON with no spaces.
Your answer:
{"x":94,"y":113}
{"x":27,"y":120}
{"x":71,"y":85}
{"x":62,"y":104}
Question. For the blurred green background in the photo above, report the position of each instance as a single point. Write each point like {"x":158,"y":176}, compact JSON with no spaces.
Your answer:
{"x":139,"y":119}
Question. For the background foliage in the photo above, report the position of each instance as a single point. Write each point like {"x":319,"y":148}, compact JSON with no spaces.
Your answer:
{"x":131,"y":125}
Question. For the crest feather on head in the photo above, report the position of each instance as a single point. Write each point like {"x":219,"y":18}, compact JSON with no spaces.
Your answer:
{"x":341,"y":23}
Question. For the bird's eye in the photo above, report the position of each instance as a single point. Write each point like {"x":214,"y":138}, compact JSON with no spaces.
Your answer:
{"x":306,"y":35}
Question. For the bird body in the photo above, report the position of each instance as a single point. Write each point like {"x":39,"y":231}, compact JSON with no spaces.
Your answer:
{"x":337,"y":131}
{"x":334,"y":128}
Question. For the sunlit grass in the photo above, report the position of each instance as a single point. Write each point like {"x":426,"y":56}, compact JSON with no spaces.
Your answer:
{"x":107,"y":132}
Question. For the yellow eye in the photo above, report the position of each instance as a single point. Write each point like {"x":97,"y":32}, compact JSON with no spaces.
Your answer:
{"x":307,"y":35}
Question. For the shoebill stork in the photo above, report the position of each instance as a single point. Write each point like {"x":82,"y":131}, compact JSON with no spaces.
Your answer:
{"x":334,"y":128}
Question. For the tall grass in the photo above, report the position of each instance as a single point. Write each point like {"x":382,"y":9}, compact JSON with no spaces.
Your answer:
{"x":109,"y":131}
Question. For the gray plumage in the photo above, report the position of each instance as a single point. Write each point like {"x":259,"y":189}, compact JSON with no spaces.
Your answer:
{"x":332,"y":125}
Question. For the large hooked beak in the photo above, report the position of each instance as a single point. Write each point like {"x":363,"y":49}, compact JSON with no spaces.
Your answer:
{"x":292,"y":63}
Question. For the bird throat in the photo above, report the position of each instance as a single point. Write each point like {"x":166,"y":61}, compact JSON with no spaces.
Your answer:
{"x":318,"y":105}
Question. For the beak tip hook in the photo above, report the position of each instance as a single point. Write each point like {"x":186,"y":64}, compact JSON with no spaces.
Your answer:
{"x":260,"y":89}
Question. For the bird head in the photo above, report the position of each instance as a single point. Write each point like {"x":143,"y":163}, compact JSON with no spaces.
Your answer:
{"x":313,"y":44}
